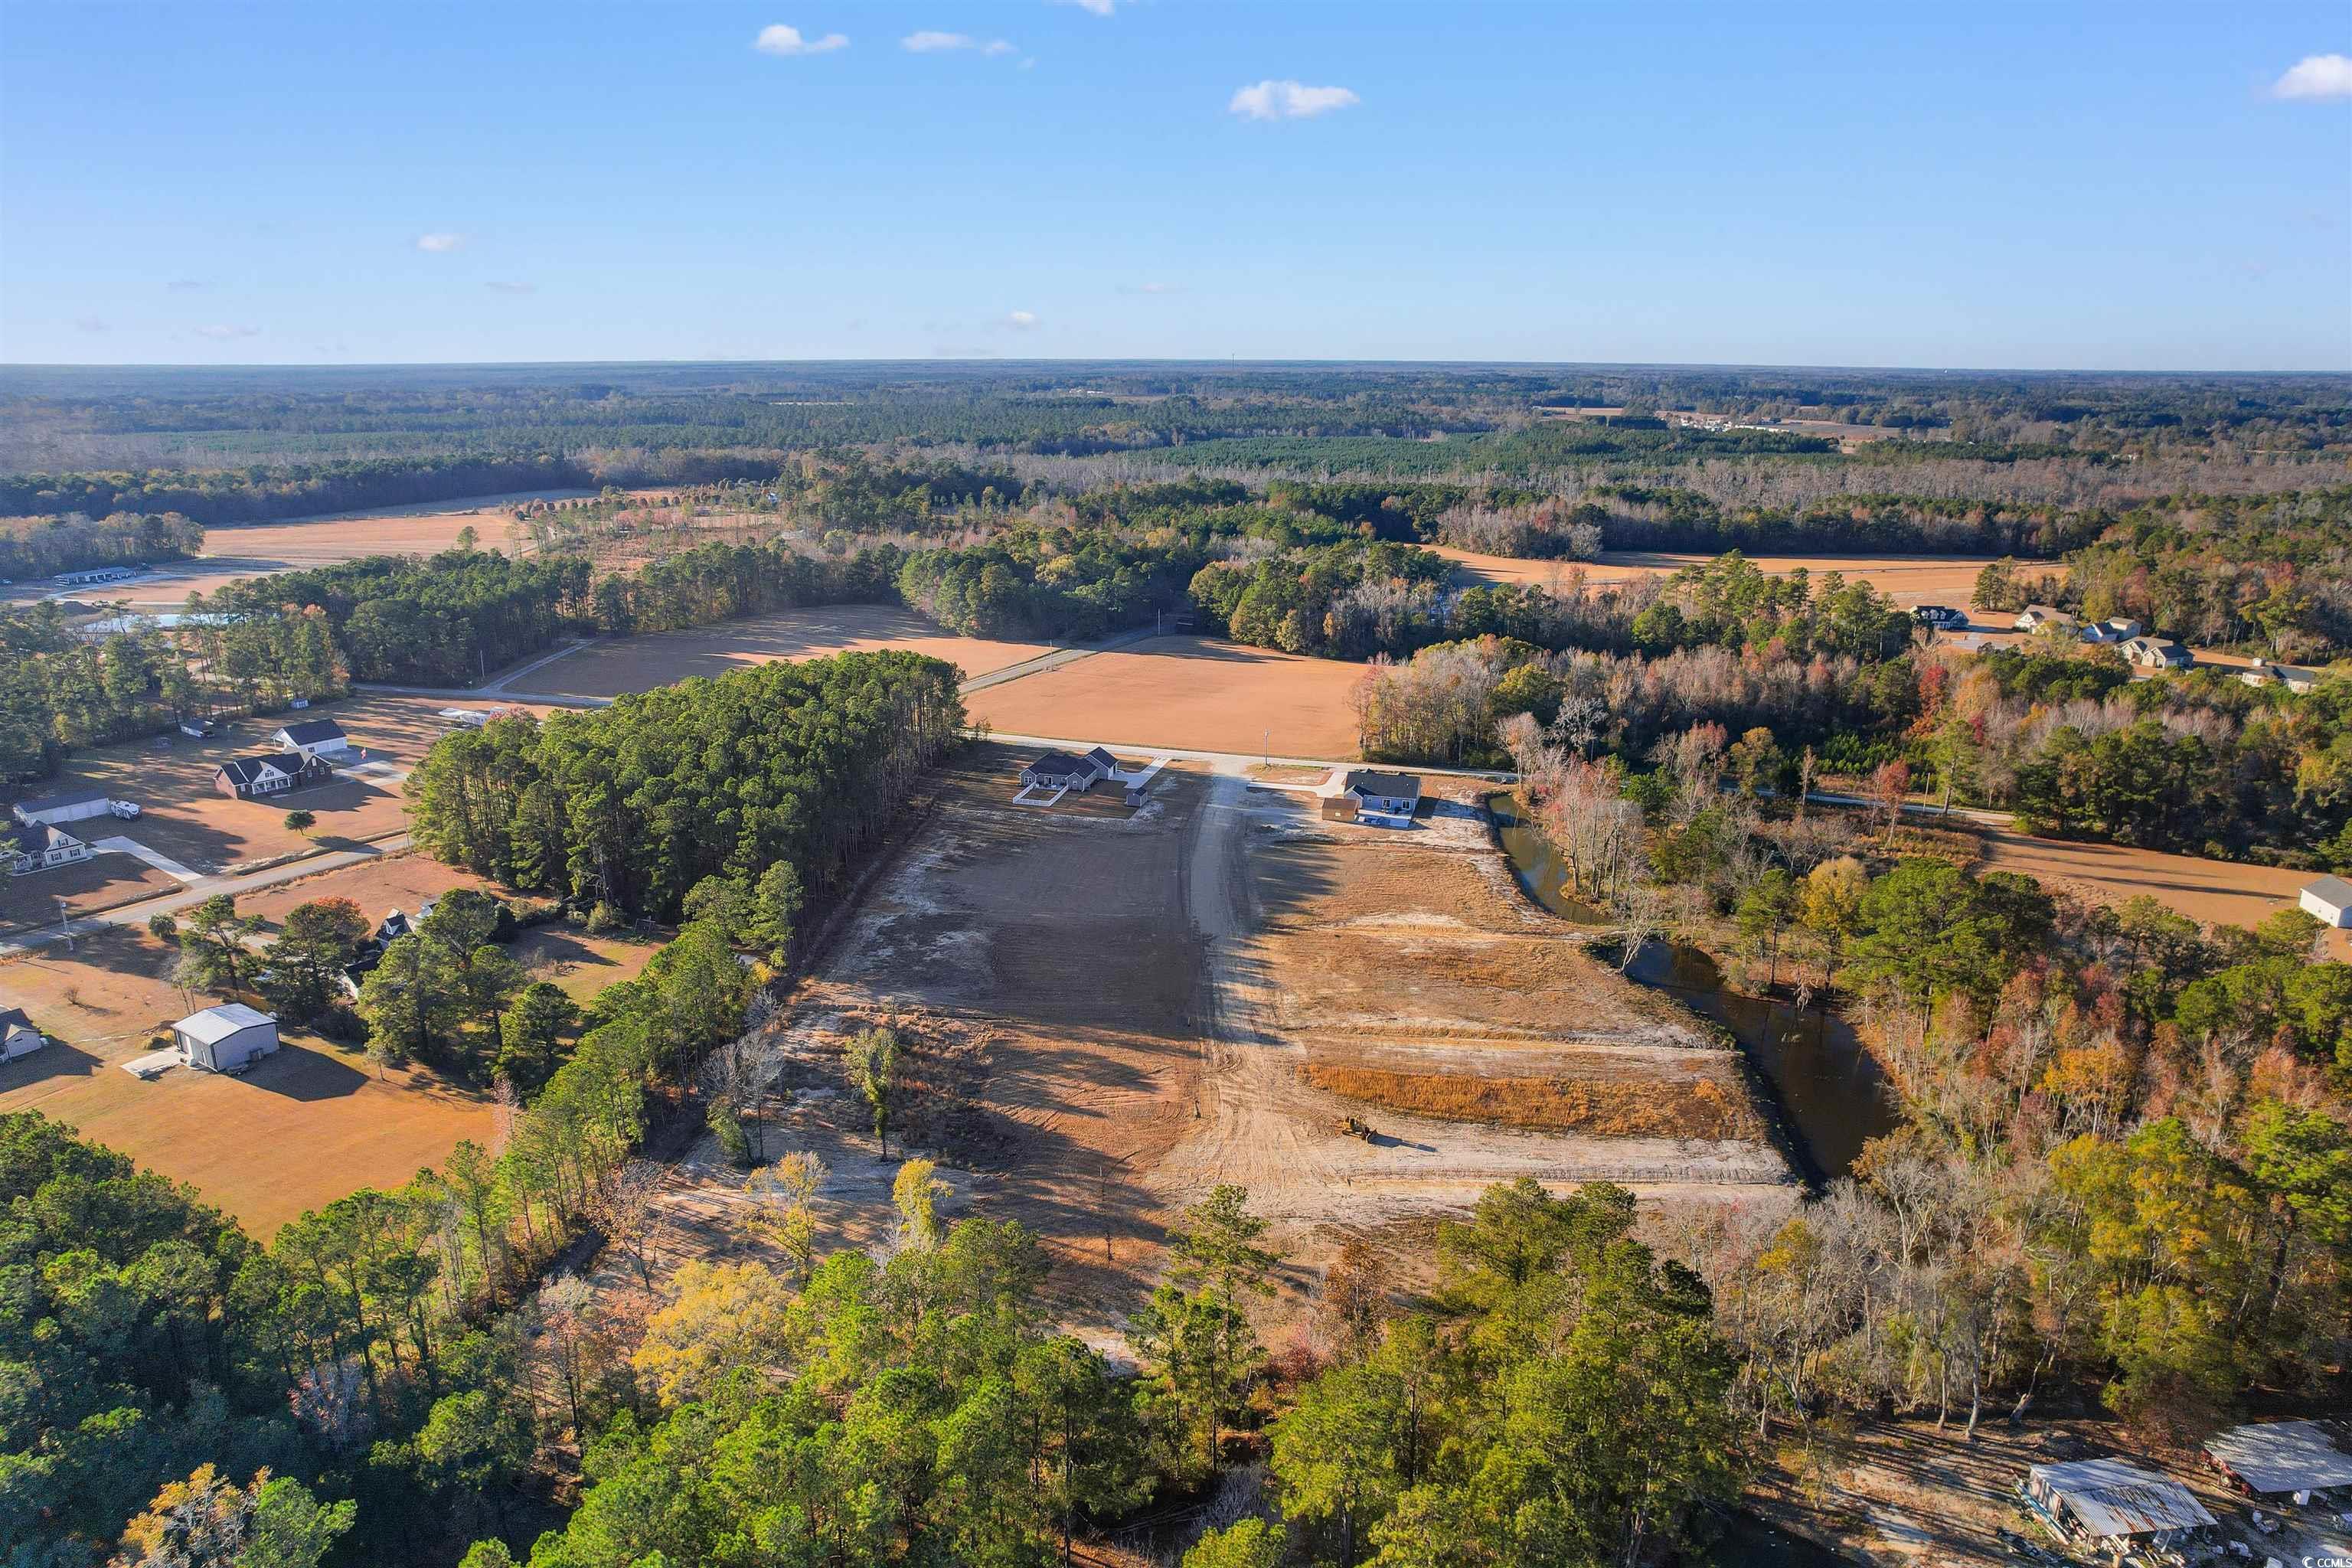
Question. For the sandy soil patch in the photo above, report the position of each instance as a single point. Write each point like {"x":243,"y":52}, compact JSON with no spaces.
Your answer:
{"x":1907,"y":580}
{"x":303,"y":1128}
{"x":1192,"y":692}
{"x":619,"y":664}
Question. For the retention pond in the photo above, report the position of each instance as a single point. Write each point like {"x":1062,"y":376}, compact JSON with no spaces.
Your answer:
{"x":1833,"y":1096}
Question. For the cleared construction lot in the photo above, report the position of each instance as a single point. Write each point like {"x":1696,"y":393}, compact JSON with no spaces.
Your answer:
{"x":1106,"y":1011}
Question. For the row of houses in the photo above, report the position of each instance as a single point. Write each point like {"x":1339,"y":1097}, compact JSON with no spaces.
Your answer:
{"x":2122,"y":633}
{"x":2114,"y":1506}
{"x":2128,"y":638}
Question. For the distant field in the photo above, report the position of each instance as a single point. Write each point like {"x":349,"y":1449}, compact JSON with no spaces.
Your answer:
{"x":620,"y":665}
{"x":1186,"y":692}
{"x":1907,"y":580}
{"x":305,"y":1127}
{"x":260,"y":550}
{"x":2215,"y":890}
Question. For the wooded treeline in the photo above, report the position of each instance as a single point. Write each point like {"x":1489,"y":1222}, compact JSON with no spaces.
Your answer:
{"x":44,"y":546}
{"x":801,"y":765}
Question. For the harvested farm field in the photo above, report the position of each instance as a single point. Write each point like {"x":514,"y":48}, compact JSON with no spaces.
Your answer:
{"x":1907,"y":580}
{"x":617,"y":666}
{"x":265,"y":549}
{"x":303,"y":1128}
{"x":1192,"y":692}
{"x":1104,"y":1012}
{"x":2219,"y":892}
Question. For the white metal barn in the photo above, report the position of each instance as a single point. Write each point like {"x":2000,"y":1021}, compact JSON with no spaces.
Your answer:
{"x":71,"y":806}
{"x":226,"y":1038}
{"x":2329,"y":901}
{"x":18,"y":1036}
{"x":313,"y":738}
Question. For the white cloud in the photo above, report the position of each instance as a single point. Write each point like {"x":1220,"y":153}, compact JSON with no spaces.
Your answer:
{"x":928,"y":43}
{"x":1023,"y":320}
{"x":1289,"y":101}
{"x":439,"y":244}
{"x":1099,"y":7}
{"x":497,"y":286}
{"x":778,"y":39}
{"x":224,"y":334}
{"x":89,"y":324}
{"x":1151,"y":289}
{"x":2316,"y":76}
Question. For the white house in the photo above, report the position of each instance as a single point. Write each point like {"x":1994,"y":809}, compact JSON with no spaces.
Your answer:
{"x":226,"y":1039}
{"x":322,"y":738}
{"x":1355,"y":794}
{"x":2329,"y":901}
{"x":18,"y":1036}
{"x":94,"y":574}
{"x":2157,"y":653}
{"x":42,"y":848}
{"x":2293,"y":680}
{"x":72,"y":805}
{"x":2117,"y":1507}
{"x":2039,"y":617}
{"x":2115,"y":628}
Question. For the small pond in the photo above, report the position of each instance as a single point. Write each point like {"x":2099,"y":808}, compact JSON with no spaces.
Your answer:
{"x":1832,"y":1094}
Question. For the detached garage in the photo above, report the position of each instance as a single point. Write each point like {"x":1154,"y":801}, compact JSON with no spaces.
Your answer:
{"x":72,"y":806}
{"x":227,"y":1039}
{"x":18,"y":1036}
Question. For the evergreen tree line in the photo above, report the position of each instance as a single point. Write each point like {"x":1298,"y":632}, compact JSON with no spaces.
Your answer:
{"x":440,"y":620}
{"x":44,"y":546}
{"x":773,"y":780}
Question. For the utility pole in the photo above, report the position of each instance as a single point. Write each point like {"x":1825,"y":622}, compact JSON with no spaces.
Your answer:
{"x":64,"y":927}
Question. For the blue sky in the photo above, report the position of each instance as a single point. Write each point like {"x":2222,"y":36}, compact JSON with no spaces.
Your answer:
{"x":2108,"y":186}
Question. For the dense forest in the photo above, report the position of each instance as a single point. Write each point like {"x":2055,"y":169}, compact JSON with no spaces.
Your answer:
{"x":227,"y":445}
{"x":639,"y":804}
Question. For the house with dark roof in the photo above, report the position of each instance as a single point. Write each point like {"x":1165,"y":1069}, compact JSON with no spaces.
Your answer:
{"x":258,"y":778}
{"x":313,"y":738}
{"x":1357,"y":794}
{"x":1060,"y":770}
{"x":41,"y":848}
{"x":71,"y":806}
